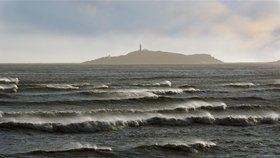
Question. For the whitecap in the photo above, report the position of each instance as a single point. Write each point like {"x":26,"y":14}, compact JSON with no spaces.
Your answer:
{"x":156,"y":84}
{"x":102,"y":86}
{"x":191,"y":147}
{"x":191,"y":89}
{"x":240,"y":84}
{"x":61,"y":86}
{"x":166,"y":90}
{"x":8,"y":87}
{"x":9,"y":80}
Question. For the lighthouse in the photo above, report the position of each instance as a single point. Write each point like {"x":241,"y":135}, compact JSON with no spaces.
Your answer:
{"x":140,"y":48}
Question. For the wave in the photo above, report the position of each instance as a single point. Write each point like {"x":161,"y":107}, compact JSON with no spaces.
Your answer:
{"x":103,"y":86}
{"x":108,"y":123}
{"x":8,"y":88}
{"x":172,"y":109}
{"x":275,"y":82}
{"x":61,"y":86}
{"x":157,"y":84}
{"x":250,"y":106}
{"x":199,"y":104}
{"x":185,"y":86}
{"x":168,"y":91}
{"x":98,"y":99}
{"x":84,"y":84}
{"x":265,"y":89}
{"x":120,"y":94}
{"x":245,"y":98}
{"x":228,"y":98}
{"x":80,"y":148}
{"x":243,"y":120}
{"x":9,"y":80}
{"x":194,"y":147}
{"x":136,"y":97}
{"x":240,"y":84}
{"x":164,"y":83}
{"x":190,"y":89}
{"x":134,"y":93}
{"x":6,"y":95}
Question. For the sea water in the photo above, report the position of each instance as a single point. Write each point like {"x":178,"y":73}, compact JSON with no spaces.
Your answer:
{"x":73,"y":110}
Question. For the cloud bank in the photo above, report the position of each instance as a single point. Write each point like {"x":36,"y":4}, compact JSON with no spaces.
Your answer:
{"x":76,"y":31}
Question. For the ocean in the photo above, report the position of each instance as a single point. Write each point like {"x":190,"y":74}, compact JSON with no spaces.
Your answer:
{"x":74,"y":110}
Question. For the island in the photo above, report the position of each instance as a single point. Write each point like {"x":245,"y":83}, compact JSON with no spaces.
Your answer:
{"x":149,"y":57}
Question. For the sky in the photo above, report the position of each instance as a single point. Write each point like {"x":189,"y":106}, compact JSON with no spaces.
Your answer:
{"x":76,"y":31}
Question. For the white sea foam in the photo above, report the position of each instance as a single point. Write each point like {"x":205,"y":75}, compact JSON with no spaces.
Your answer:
{"x":240,"y":84}
{"x":191,"y":147}
{"x":122,"y":94}
{"x":81,"y":84}
{"x":163,"y":83}
{"x":73,"y":147}
{"x":84,"y":125}
{"x":112,"y":94}
{"x":9,"y":80}
{"x":102,"y":86}
{"x":245,"y":120}
{"x":191,"y":89}
{"x":134,"y":94}
{"x":61,"y":86}
{"x":195,"y":104}
{"x":8,"y":87}
{"x":79,"y":145}
{"x":111,"y":114}
{"x":156,"y":84}
{"x":166,"y":90}
{"x":104,"y":120}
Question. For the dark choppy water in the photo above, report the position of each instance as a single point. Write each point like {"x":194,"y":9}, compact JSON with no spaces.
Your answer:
{"x":139,"y":111}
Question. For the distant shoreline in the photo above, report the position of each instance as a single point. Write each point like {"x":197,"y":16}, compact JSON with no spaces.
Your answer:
{"x":229,"y":63}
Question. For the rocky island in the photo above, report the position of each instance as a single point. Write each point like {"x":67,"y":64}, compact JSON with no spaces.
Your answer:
{"x":149,"y":57}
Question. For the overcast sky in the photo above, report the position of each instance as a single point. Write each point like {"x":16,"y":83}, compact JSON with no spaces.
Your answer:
{"x":76,"y":31}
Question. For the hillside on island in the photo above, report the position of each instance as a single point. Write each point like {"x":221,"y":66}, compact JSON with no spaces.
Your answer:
{"x":276,"y":62}
{"x":143,"y":57}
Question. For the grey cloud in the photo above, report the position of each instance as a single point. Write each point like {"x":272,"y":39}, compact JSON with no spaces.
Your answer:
{"x":219,"y":27}
{"x":253,"y":9}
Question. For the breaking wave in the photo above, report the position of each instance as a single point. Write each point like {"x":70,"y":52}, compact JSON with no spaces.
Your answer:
{"x":135,"y":93}
{"x":157,"y":84}
{"x":77,"y":147}
{"x":103,"y":86}
{"x":9,"y":80}
{"x":172,"y":108}
{"x":166,"y":91}
{"x":240,"y":84}
{"x":199,"y":104}
{"x":8,"y":88}
{"x":243,"y":120}
{"x":88,"y":124}
{"x":194,"y":147}
{"x":251,"y":106}
{"x":121,"y":94}
{"x":190,"y":89}
{"x":275,"y":82}
{"x":61,"y":86}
